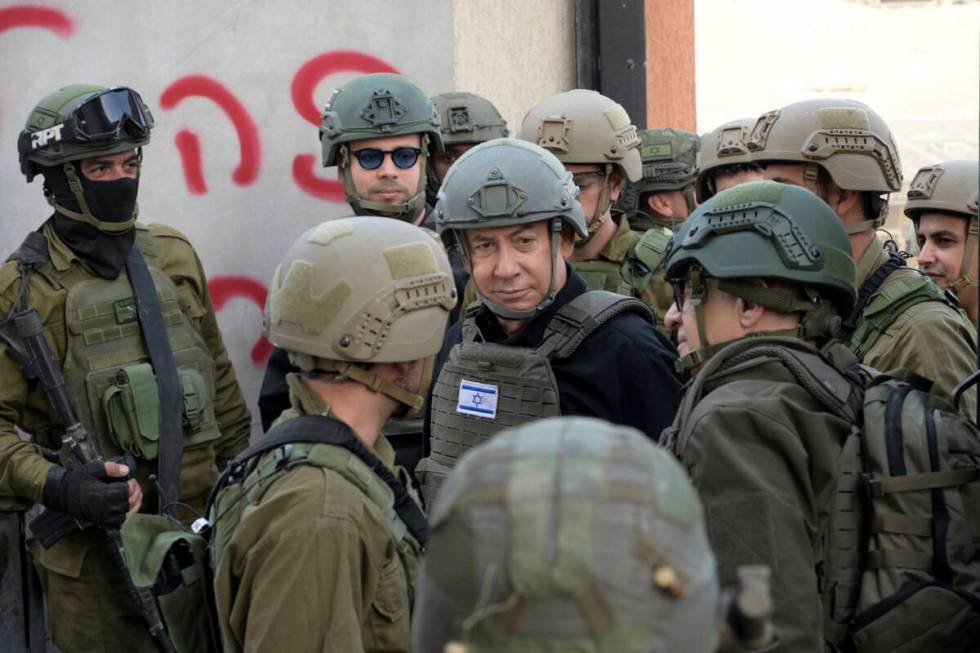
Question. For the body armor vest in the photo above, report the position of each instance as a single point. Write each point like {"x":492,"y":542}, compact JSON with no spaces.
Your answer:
{"x":107,"y":368}
{"x":484,"y":387}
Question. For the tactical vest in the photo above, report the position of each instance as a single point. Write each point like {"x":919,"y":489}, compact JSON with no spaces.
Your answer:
{"x":484,"y":387}
{"x":898,"y":549}
{"x":107,"y":368}
{"x":881,"y":301}
{"x":634,"y":274}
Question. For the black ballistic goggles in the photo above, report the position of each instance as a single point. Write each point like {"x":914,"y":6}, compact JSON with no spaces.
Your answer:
{"x":107,"y":115}
{"x":371,"y":158}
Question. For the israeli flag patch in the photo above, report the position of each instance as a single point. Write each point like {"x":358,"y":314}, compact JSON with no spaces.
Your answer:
{"x":477,"y":399}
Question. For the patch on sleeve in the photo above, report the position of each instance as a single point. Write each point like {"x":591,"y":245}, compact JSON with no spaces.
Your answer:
{"x":740,"y":532}
{"x":477,"y":399}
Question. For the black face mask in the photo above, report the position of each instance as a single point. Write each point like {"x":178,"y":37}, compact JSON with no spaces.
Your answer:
{"x":109,"y":201}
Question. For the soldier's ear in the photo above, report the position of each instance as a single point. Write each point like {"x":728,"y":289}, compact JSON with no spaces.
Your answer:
{"x":657,"y":202}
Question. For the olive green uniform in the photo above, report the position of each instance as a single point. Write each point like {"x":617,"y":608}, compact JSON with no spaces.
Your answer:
{"x":930,"y":338}
{"x":312,"y":564}
{"x":763,"y":456}
{"x":86,"y":600}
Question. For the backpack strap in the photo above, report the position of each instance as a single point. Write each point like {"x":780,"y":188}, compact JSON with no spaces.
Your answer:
{"x":576,"y":320}
{"x":867,"y":291}
{"x":318,"y":429}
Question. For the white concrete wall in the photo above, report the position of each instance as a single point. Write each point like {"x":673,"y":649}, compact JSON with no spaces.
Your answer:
{"x":253,"y":50}
{"x":514,"y":52}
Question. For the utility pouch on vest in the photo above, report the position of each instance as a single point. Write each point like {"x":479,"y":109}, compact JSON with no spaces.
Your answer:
{"x":162,"y":554}
{"x":132,"y":408}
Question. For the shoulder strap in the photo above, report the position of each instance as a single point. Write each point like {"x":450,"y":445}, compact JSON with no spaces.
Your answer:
{"x":576,"y":320}
{"x":31,"y":255}
{"x":157,"y":342}
{"x":867,"y":291}
{"x":318,"y":429}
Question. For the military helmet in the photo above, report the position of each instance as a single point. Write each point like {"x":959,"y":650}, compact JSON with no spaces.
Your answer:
{"x":506,"y":182}
{"x":364,"y":290}
{"x":468,"y":118}
{"x":375,"y":106}
{"x":724,"y":146}
{"x":948,"y":187}
{"x":844,"y":137}
{"x":669,"y":163}
{"x":567,"y":534}
{"x":768,"y":230}
{"x":81,"y":121}
{"x":581,"y":126}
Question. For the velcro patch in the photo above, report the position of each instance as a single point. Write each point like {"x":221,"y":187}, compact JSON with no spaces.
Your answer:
{"x":410,"y":260}
{"x":477,"y":399}
{"x":844,"y":118}
{"x":329,"y":231}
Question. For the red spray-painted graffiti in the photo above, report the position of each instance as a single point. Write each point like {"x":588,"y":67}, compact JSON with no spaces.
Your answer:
{"x":225,"y":288}
{"x":304,"y":84}
{"x":36,"y":16}
{"x":188,"y":143}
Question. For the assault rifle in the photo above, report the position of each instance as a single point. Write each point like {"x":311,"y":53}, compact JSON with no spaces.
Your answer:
{"x":78,"y":448}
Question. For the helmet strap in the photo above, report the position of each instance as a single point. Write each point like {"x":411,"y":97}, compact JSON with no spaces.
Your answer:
{"x":603,"y":204}
{"x":373,"y":381}
{"x":75,"y":184}
{"x":407,"y":211}
{"x":967,"y":279}
{"x":690,"y":198}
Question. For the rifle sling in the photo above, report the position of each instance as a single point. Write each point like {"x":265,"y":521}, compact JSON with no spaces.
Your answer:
{"x":157,"y":342}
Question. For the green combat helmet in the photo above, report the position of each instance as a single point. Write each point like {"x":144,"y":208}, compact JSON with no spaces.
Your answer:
{"x":78,"y":122}
{"x":723,"y":149}
{"x":765,"y":230}
{"x":465,"y":119}
{"x":581,"y":126}
{"x":949,"y":187}
{"x":669,"y":163}
{"x":375,"y":106}
{"x":567,"y":534}
{"x":352,"y":292}
{"x":844,"y":137}
{"x":508,"y":182}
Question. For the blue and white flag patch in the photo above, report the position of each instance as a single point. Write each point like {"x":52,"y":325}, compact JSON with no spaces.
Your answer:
{"x":477,"y":399}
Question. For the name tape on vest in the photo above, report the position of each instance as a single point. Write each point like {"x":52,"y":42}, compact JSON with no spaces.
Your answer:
{"x":477,"y":399}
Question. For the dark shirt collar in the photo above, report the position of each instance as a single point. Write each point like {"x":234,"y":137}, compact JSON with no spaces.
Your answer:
{"x":533,"y":332}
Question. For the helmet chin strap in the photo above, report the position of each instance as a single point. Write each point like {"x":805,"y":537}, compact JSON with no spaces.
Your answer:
{"x":375,"y":382}
{"x":810,"y":175}
{"x":406,"y":211}
{"x":967,"y":278}
{"x":554,"y":235}
{"x":75,"y":184}
{"x":602,"y":207}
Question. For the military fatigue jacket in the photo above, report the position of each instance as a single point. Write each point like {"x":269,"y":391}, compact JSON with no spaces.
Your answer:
{"x":23,"y":470}
{"x":763,"y":456}
{"x":931,"y":338}
{"x":312,"y":565}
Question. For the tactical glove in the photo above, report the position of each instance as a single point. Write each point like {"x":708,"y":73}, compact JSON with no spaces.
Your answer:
{"x":88,"y":494}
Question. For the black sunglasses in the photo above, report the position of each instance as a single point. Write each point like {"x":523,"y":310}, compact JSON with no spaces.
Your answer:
{"x":371,"y":158}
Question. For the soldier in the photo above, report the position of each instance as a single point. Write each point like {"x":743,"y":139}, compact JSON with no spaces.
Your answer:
{"x":324,"y":556}
{"x":901,"y":320}
{"x":754,"y":442}
{"x":379,"y":130}
{"x":466,"y":120}
{"x":537,"y":344}
{"x":123,"y":304}
{"x":592,"y":136}
{"x":724,"y":159}
{"x":663,"y":197}
{"x":942,"y":203}
{"x":567,"y":534}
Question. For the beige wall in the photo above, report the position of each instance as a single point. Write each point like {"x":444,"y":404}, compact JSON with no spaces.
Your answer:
{"x":513,"y":52}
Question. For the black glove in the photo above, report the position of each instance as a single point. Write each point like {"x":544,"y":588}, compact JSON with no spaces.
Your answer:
{"x":88,"y":493}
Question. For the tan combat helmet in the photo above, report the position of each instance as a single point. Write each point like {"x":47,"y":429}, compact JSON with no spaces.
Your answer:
{"x":567,"y":534}
{"x":949,"y":187}
{"x":844,"y":137}
{"x":362,"y":290}
{"x":722,"y":147}
{"x":581,"y":126}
